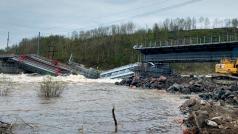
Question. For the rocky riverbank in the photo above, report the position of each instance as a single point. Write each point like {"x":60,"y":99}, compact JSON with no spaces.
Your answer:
{"x":213,"y":111}
{"x":206,"y":88}
{"x":208,"y":118}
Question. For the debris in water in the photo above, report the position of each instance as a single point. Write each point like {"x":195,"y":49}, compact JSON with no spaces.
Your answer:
{"x":114,"y":118}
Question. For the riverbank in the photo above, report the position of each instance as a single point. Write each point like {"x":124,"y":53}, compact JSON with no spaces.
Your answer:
{"x":213,"y":107}
{"x":208,"y":117}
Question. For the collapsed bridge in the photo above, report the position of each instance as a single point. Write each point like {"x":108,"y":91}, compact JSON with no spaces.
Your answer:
{"x":32,"y":63}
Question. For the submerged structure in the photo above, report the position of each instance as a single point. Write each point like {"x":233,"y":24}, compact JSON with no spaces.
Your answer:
{"x":82,"y":70}
{"x":120,"y":72}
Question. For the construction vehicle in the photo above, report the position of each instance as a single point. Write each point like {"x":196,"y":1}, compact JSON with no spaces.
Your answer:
{"x":227,"y":66}
{"x":227,"y":69}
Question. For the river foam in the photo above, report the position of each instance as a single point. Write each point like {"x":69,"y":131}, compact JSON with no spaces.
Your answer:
{"x":28,"y":78}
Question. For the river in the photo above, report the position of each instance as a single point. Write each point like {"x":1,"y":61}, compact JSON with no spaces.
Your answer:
{"x":85,"y":106}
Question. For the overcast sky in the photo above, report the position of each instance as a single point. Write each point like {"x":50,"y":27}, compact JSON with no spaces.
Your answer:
{"x":25,"y":18}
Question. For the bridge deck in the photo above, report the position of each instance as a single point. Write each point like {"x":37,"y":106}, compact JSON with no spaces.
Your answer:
{"x":192,"y":51}
{"x":36,"y":64}
{"x":186,"y":42}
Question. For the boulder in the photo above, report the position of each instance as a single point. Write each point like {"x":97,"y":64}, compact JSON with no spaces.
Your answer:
{"x":162,"y":79}
{"x":189,"y":105}
{"x":175,"y":88}
{"x":205,"y":96}
{"x":135,"y":82}
{"x":117,"y":83}
{"x":212,"y":123}
{"x":156,"y":85}
{"x":201,"y":118}
{"x":217,"y":119}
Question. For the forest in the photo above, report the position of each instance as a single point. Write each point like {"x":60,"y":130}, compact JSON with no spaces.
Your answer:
{"x":112,"y":46}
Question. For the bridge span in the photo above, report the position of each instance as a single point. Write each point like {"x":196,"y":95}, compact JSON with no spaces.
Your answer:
{"x":206,"y":49}
{"x":32,"y":63}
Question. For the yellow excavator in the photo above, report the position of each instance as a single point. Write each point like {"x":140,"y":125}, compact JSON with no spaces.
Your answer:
{"x":227,"y":67}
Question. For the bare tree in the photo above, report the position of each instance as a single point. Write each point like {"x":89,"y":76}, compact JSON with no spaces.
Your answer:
{"x":234,"y":22}
{"x":206,"y":23}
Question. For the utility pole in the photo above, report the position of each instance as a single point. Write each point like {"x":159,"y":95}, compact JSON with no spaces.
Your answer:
{"x":7,"y":41}
{"x":38,"y":45}
{"x":51,"y":51}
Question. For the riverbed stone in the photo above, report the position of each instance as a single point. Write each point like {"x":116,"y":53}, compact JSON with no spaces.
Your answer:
{"x":217,"y":119}
{"x":212,"y":123}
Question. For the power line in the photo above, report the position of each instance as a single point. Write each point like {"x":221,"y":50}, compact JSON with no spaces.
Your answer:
{"x":143,"y":14}
{"x":170,"y":7}
{"x":159,"y":10}
{"x":135,"y":16}
{"x":137,"y":8}
{"x":95,"y":19}
{"x":38,"y":44}
{"x":178,"y":5}
{"x":118,"y":13}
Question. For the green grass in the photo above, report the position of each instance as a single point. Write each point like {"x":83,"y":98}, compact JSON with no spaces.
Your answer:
{"x":194,"y":68}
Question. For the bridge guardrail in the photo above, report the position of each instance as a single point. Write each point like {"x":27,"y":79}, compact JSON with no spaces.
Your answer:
{"x":229,"y":38}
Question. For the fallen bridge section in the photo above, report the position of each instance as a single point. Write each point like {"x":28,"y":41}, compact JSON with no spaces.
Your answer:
{"x":34,"y":64}
{"x":120,"y":72}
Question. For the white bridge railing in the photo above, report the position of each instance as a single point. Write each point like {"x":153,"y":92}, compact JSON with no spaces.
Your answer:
{"x":221,"y":39}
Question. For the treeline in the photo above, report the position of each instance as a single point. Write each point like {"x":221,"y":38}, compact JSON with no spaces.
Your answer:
{"x":109,"y":47}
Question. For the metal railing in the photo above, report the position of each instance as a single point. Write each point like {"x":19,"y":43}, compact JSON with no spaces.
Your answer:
{"x":205,"y":40}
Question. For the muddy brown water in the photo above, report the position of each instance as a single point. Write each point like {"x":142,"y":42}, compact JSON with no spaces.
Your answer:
{"x":86,"y":108}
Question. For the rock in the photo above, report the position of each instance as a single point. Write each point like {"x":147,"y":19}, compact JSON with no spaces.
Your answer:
{"x":203,"y":102}
{"x":155,"y":85}
{"x":212,"y":123}
{"x":185,"y":90}
{"x":189,"y":105}
{"x":135,"y":82}
{"x":185,"y":97}
{"x":117,"y":83}
{"x":196,"y":87}
{"x":191,"y":82}
{"x":199,"y":113}
{"x":205,"y":96}
{"x":162,"y":79}
{"x":222,"y":127}
{"x":190,"y":102}
{"x":227,"y":118}
{"x":201,"y":118}
{"x":175,"y":88}
{"x":217,"y":119}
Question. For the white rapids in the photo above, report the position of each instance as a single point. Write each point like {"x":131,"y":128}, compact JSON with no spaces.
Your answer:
{"x":27,"y":78}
